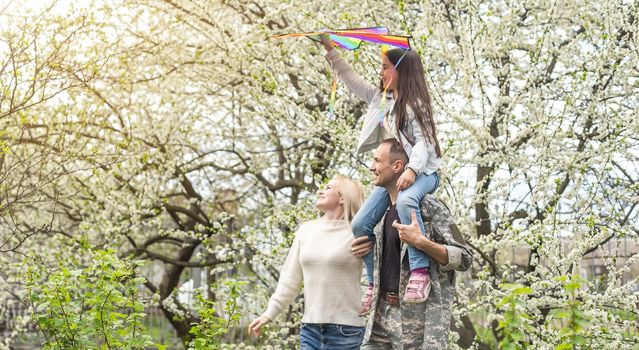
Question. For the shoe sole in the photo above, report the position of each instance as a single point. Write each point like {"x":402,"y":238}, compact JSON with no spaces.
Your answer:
{"x":414,"y":301}
{"x":360,"y":314}
{"x":418,"y":301}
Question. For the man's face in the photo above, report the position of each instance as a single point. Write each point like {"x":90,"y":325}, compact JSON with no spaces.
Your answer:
{"x":384,"y":170}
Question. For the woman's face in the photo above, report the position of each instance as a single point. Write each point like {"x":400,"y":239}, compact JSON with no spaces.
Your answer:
{"x":328,"y":198}
{"x":388,"y":74}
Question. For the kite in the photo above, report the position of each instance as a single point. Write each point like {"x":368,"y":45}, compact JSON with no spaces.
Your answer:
{"x":351,"y":39}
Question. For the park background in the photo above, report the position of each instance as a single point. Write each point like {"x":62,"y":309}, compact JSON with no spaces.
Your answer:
{"x":157,"y":156}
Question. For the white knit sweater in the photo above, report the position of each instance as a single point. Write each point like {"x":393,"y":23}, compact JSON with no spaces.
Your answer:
{"x":321,"y":258}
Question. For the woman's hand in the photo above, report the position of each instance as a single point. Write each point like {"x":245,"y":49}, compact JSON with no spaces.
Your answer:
{"x":326,"y":41}
{"x":410,"y":234}
{"x":361,"y":246}
{"x":254,"y":327}
{"x":406,"y":179}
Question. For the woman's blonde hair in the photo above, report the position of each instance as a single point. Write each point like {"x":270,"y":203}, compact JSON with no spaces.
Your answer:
{"x":352,"y":193}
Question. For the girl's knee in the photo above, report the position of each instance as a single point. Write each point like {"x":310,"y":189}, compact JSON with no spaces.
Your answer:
{"x":358,"y":225}
{"x":406,"y":203}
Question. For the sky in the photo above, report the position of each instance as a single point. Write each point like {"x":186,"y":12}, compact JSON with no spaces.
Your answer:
{"x":11,"y":8}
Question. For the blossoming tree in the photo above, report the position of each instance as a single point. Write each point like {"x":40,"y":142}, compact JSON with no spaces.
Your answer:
{"x":177,"y":133}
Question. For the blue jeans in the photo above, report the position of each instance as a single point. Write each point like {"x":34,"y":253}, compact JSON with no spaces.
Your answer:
{"x":328,"y":336}
{"x":373,"y":209}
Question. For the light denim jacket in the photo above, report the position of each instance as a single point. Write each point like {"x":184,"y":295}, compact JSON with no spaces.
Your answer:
{"x":422,"y":155}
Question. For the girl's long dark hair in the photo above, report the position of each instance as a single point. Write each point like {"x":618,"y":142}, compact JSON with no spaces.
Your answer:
{"x":412,"y":90}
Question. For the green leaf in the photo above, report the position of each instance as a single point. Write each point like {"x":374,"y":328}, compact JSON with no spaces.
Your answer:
{"x":579,"y":339}
{"x":518,"y":336}
{"x":561,"y":313}
{"x":563,"y":346}
{"x":566,"y":331}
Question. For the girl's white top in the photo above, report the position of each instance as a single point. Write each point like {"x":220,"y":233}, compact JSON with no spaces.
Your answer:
{"x":321,"y":258}
{"x":422,"y":157}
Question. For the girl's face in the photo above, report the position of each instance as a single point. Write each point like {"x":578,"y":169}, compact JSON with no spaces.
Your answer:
{"x":388,"y":74}
{"x":328,"y":198}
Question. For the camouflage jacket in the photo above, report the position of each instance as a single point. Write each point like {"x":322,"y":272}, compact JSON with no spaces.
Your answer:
{"x":426,"y":325}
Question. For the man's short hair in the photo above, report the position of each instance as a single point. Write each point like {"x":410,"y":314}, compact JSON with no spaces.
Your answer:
{"x":396,"y":151}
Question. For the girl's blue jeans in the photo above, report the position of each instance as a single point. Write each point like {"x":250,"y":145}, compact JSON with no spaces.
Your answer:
{"x":373,"y":209}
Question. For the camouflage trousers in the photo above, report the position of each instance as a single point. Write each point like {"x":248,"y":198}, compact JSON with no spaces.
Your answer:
{"x":387,"y":328}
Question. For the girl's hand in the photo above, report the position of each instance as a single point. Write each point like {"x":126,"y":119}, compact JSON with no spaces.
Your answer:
{"x":326,"y":42}
{"x":406,"y":179}
{"x":254,"y":327}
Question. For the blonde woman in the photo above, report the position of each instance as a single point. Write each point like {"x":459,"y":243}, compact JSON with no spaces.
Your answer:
{"x":321,"y":258}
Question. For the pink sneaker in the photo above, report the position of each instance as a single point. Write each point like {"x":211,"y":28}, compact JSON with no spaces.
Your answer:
{"x":417,"y":289}
{"x":367,"y":302}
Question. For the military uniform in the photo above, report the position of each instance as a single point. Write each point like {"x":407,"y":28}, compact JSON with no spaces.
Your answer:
{"x":424,"y":325}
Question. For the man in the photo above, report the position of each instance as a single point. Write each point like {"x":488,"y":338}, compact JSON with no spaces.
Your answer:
{"x":394,"y":324}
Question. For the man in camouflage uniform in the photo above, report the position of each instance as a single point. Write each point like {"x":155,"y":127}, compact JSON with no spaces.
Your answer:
{"x":394,"y":324}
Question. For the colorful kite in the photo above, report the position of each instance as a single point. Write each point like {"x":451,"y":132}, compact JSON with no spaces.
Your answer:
{"x":351,"y":39}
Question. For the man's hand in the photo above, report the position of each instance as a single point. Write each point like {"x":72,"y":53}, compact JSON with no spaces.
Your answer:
{"x":410,"y":234}
{"x":406,"y":179}
{"x":326,"y":42}
{"x":361,"y":246}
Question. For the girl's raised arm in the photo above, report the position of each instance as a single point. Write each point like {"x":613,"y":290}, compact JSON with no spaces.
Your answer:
{"x":360,"y":87}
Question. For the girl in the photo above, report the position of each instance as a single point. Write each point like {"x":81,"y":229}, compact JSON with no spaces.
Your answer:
{"x":321,"y":258}
{"x":399,"y":108}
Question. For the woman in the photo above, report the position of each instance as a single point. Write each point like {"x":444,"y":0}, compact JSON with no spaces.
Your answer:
{"x":321,"y":258}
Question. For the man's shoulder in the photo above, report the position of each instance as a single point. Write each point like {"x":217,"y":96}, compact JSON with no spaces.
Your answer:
{"x":438,"y":214}
{"x":431,"y":205}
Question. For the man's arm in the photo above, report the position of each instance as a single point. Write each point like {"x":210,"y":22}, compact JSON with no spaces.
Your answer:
{"x":361,"y":246}
{"x":412,"y":235}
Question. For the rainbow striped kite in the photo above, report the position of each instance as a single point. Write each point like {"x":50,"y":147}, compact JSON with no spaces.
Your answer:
{"x":351,"y":39}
